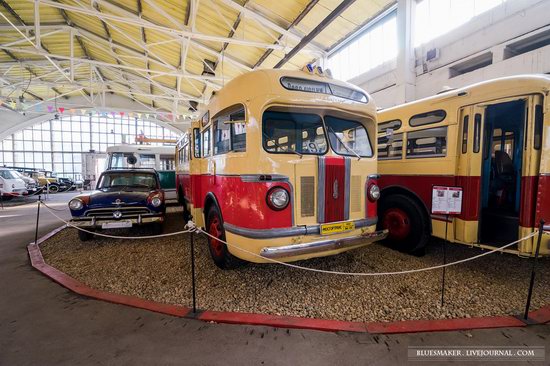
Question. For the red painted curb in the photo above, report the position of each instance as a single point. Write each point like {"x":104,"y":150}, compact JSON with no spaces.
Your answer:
{"x":282,"y":321}
{"x":439,"y":325}
{"x":540,"y":316}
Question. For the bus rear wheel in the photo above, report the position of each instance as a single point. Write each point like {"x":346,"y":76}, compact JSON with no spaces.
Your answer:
{"x":406,"y":222}
{"x":218,"y":250}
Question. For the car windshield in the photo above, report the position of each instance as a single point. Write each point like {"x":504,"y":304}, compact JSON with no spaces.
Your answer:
{"x":127,"y":181}
{"x":8,"y":174}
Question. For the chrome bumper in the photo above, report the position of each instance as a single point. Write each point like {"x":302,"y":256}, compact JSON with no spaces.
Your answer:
{"x":92,"y":222}
{"x":322,"y":246}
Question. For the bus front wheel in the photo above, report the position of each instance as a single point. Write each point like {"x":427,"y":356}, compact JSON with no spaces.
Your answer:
{"x":406,"y":222}
{"x":218,"y":250}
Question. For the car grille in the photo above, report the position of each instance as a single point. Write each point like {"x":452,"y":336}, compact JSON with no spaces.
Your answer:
{"x":127,"y":212}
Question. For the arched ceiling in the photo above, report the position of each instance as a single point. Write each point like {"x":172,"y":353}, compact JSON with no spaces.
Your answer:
{"x":164,"y":55}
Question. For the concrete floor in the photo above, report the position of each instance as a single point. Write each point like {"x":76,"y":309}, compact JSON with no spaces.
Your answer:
{"x":41,"y":323}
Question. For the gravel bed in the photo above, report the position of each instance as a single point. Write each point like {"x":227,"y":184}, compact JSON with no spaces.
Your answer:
{"x":159,"y":270}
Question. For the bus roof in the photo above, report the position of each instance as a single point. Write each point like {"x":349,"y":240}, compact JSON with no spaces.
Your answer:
{"x":141,"y":148}
{"x":501,"y":87}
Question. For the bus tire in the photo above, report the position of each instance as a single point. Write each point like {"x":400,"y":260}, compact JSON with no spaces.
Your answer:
{"x":218,"y":250}
{"x":84,"y":235}
{"x":407,"y":224}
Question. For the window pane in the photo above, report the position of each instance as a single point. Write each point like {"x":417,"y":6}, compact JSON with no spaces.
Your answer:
{"x":465,"y":134}
{"x":221,"y":136}
{"x":427,"y":118}
{"x":348,"y":137}
{"x":427,"y":143}
{"x":390,"y":146}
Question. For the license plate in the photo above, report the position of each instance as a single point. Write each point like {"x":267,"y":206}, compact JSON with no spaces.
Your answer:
{"x":339,"y":227}
{"x":116,"y":225}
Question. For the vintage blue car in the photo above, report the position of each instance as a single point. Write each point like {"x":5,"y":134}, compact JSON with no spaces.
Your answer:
{"x":123,"y":198}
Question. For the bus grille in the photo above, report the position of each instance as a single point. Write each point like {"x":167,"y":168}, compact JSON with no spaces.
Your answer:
{"x":307,"y":196}
{"x":334,"y":189}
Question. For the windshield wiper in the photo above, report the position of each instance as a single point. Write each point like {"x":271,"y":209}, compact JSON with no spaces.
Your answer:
{"x":344,"y":144}
{"x":279,"y":146}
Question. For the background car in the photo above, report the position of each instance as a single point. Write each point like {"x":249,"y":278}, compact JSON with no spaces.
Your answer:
{"x":30,"y":184}
{"x":123,"y":198}
{"x":10,"y":184}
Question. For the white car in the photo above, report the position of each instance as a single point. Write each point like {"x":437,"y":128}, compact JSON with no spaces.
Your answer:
{"x":10,"y":184}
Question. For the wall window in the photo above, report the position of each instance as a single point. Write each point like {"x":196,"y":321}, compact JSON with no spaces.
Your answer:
{"x":427,"y":143}
{"x":378,"y":44}
{"x":58,"y":144}
{"x":390,"y":147}
{"x":427,"y":118}
{"x":434,"y":18}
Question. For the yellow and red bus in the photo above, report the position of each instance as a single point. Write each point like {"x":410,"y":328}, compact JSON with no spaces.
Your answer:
{"x":492,"y":139}
{"x":282,"y":164}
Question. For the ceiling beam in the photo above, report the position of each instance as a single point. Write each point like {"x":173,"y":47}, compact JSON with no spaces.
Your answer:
{"x":318,"y":29}
{"x":294,"y":23}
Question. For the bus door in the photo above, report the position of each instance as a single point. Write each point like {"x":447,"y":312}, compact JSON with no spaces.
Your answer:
{"x":532,"y":147}
{"x":505,"y":128}
{"x":469,"y":171}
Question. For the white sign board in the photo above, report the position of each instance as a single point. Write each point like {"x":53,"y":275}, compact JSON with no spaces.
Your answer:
{"x":446,"y":200}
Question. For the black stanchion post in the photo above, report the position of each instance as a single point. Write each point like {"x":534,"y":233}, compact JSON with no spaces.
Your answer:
{"x":37,"y":221}
{"x":193,"y":272}
{"x":444,"y":261}
{"x":533,"y":271}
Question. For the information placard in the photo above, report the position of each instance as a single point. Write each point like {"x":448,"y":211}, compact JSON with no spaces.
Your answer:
{"x":446,"y":200}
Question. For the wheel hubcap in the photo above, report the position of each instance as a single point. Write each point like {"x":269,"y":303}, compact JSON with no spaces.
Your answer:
{"x":216,"y":231}
{"x":398,"y":223}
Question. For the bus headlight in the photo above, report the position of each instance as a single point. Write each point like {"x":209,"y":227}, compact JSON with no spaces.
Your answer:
{"x":278,"y":198}
{"x":374,"y":193}
{"x":75,"y":204}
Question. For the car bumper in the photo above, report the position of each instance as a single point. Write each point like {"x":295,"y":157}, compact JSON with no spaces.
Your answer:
{"x":322,"y":245}
{"x":92,"y":222}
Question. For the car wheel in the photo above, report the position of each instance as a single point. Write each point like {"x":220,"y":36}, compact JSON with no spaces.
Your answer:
{"x":218,"y":250}
{"x":406,"y":222}
{"x":85,"y":236}
{"x":7,"y":197}
{"x":53,"y":188}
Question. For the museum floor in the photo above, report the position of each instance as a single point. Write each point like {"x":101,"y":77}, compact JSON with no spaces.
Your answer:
{"x":43,"y":323}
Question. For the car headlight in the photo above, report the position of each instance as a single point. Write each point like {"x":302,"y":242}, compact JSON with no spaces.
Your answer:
{"x":278,"y":198}
{"x":374,"y":192}
{"x":76,"y":204}
{"x":156,"y":201}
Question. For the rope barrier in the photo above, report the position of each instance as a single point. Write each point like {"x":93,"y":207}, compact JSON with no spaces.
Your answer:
{"x":370,"y":273}
{"x":191,"y":227}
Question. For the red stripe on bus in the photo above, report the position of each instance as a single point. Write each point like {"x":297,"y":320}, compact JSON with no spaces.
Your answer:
{"x":335,"y":183}
{"x":543,"y":199}
{"x":242,"y":203}
{"x":528,"y":201}
{"x":422,"y":185}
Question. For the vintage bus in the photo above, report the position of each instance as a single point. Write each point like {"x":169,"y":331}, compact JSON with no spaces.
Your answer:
{"x":283,"y":165}
{"x":491,"y":139}
{"x":160,"y":158}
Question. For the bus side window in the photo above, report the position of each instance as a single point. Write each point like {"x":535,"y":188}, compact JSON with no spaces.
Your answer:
{"x":390,"y":147}
{"x":197,"y":138}
{"x":477,"y":132}
{"x":221,"y":136}
{"x":427,"y":143}
{"x":465,"y":134}
{"x":181,"y":156}
{"x":538,"y":127}
{"x":238,"y":130}
{"x":206,"y":142}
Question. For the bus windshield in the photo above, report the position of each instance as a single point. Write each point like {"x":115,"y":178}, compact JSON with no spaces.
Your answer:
{"x":289,"y":132}
{"x":348,"y":137}
{"x":304,"y":134}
